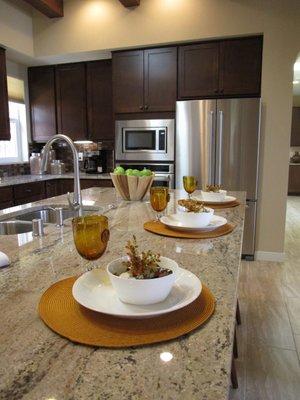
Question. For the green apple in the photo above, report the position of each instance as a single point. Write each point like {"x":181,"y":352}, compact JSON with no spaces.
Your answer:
{"x":119,"y":171}
{"x":136,"y":172}
{"x":129,"y":171}
{"x":146,"y":172}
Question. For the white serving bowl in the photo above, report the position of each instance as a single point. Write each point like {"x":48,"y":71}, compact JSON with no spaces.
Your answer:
{"x":214,"y":196}
{"x":193,"y":219}
{"x":141,"y":291}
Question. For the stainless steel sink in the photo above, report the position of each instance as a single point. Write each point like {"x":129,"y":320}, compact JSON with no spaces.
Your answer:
{"x":48,"y":213}
{"x":14,"y":227}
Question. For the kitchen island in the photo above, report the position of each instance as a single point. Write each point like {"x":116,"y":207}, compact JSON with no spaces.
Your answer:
{"x":38,"y":364}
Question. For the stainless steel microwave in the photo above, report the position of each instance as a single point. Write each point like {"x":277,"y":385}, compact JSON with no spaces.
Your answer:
{"x":145,"y":140}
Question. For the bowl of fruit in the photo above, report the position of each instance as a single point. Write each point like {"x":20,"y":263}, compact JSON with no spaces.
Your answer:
{"x":132,"y":184}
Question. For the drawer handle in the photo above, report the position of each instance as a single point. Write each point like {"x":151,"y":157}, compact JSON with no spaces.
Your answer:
{"x":28,"y":190}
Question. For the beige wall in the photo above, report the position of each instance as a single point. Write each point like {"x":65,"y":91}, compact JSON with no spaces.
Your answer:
{"x":93,"y":25}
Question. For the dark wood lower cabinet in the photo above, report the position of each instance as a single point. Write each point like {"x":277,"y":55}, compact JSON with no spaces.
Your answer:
{"x":294,"y":180}
{"x":89,"y":183}
{"x":29,"y":192}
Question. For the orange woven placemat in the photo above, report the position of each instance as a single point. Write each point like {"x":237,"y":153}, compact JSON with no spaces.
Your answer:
{"x":219,"y":206}
{"x":60,"y":312}
{"x":159,"y":228}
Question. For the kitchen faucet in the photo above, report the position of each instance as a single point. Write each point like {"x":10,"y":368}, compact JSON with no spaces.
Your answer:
{"x":76,"y":202}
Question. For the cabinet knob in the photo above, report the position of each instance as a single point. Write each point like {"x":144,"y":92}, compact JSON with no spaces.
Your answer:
{"x":141,"y":107}
{"x":222,"y":91}
{"x":146,"y":107}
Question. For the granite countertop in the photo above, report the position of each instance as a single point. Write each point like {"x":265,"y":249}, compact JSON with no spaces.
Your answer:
{"x":19,"y":179}
{"x":37,"y":364}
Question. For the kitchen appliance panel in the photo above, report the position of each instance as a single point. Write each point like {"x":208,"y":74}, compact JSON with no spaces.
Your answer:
{"x":195,"y":141}
{"x":145,"y":140}
{"x":249,"y":230}
{"x":237,"y":145}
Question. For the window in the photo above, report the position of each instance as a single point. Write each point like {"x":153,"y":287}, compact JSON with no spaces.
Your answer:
{"x":15,"y":150}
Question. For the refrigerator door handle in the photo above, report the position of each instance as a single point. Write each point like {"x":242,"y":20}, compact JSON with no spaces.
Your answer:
{"x":220,"y":149}
{"x":210,"y":150}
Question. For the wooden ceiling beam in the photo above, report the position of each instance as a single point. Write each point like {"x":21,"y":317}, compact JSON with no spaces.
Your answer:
{"x":50,"y":8}
{"x":130,"y":3}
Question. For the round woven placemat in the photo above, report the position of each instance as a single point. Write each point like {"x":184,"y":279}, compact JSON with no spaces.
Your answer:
{"x":159,"y":228}
{"x":60,"y":312}
{"x":219,"y":206}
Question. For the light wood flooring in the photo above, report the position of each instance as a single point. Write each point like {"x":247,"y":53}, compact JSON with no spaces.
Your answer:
{"x":268,"y":365}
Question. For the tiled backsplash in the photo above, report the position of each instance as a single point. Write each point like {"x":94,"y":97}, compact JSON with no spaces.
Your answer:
{"x":63,"y":153}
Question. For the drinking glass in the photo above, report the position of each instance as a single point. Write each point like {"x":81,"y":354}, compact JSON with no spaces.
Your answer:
{"x":159,"y":198}
{"x":190,"y":184}
{"x":90,"y":235}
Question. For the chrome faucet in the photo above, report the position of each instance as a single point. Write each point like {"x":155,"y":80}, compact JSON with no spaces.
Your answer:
{"x":76,"y":202}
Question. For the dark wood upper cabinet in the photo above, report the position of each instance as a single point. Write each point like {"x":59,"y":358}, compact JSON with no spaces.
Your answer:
{"x":220,"y":68}
{"x":198,"y":70}
{"x":160,"y":79}
{"x":145,"y":80}
{"x":41,"y":82}
{"x":240,"y":71}
{"x":128,"y":81}
{"x":4,"y":115}
{"x":71,"y":100}
{"x":295,"y":134}
{"x":99,"y":100}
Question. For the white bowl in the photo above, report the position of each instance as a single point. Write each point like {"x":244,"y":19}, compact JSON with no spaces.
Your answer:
{"x":141,"y":291}
{"x":214,"y":196}
{"x":193,"y":219}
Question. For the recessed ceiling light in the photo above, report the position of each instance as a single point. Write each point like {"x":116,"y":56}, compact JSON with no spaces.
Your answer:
{"x":295,"y":82}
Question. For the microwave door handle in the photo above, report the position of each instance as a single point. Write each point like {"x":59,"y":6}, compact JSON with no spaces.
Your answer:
{"x":220,"y":147}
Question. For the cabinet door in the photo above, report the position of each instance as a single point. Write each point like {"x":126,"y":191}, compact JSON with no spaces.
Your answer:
{"x":4,"y":116}
{"x":29,"y":190}
{"x":295,"y":134}
{"x":294,"y":179}
{"x":41,"y":82}
{"x":160,"y":79}
{"x":99,"y":100}
{"x":240,"y":61}
{"x":71,"y":100}
{"x":198,"y":70}
{"x":89,"y":183}
{"x":53,"y":188}
{"x":128,"y":85}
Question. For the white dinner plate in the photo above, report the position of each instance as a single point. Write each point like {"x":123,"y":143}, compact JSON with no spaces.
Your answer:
{"x":173,"y":222}
{"x":93,"y":290}
{"x":228,"y":199}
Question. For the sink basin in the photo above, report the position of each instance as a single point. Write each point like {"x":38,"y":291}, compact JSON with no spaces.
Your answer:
{"x":14,"y":227}
{"x":48,"y":214}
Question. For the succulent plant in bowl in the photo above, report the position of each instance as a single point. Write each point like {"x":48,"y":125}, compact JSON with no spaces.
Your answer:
{"x":142,"y":278}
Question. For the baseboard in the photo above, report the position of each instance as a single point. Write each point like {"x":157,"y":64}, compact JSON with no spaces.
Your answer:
{"x":269,"y":256}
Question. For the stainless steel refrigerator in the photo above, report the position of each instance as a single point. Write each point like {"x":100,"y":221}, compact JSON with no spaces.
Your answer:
{"x":218,"y":141}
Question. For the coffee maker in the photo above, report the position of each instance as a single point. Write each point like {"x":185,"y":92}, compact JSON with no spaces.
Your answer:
{"x":93,"y":162}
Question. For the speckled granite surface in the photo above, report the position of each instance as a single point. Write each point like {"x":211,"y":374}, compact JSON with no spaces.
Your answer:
{"x":18,"y":179}
{"x":38,"y":364}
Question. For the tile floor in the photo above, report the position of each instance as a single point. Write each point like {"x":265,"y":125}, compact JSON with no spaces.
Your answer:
{"x":268,"y":366}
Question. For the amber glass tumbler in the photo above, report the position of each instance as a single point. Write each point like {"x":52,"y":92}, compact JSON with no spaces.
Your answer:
{"x":159,"y":198}
{"x":90,"y":235}
{"x":189,"y":184}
